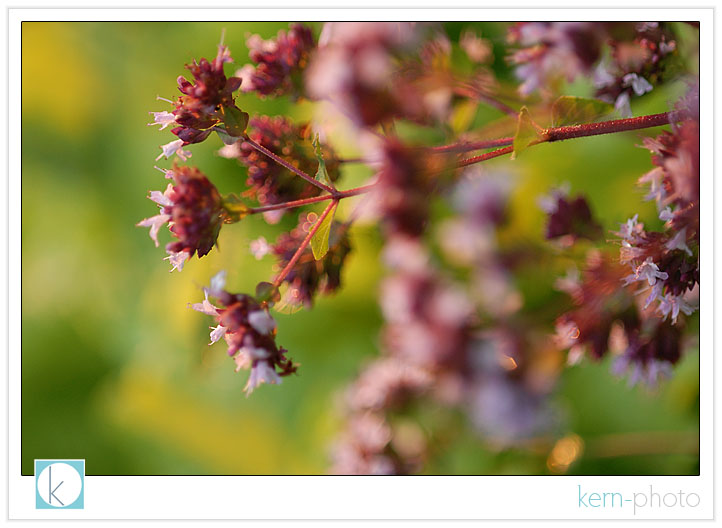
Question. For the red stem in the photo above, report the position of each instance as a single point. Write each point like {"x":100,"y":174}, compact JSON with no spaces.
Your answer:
{"x":315,"y":199}
{"x":279,"y":279}
{"x":588,"y":129}
{"x":484,"y":157}
{"x":288,"y":166}
{"x":609,"y":127}
{"x":464,"y":146}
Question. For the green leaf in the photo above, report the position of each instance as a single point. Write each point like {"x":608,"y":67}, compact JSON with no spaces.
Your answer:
{"x":267,"y":292}
{"x":227,"y":139}
{"x":569,"y":110}
{"x":527,"y":133}
{"x":235,"y":120}
{"x":462,"y":115}
{"x":321,"y":173}
{"x":319,"y":242}
{"x":235,"y":209}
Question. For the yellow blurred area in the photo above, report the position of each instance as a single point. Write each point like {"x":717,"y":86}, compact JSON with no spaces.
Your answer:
{"x":241,"y":441}
{"x":59,"y":82}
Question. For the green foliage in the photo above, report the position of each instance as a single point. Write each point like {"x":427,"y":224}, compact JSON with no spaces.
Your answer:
{"x":319,"y":241}
{"x":235,"y":120}
{"x":569,"y":110}
{"x":321,"y":173}
{"x":527,"y":133}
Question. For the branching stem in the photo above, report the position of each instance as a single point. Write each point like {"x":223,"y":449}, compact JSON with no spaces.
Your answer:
{"x":301,"y":248}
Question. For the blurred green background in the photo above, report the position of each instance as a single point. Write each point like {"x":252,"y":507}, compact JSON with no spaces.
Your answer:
{"x":117,"y":366}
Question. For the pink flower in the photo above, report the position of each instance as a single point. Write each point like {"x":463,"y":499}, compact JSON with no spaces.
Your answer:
{"x":260,"y":248}
{"x":155,"y":223}
{"x":163,"y":119}
{"x":178,"y":259}
{"x":261,"y":373}
{"x":174,"y":147}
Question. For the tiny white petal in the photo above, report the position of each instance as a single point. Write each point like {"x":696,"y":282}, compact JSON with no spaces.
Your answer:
{"x":666,"y":215}
{"x":679,"y":241}
{"x":205,"y":307}
{"x":168,"y":173}
{"x":174,"y":147}
{"x":177,"y":260}
{"x":162,"y":198}
{"x":155,"y":223}
{"x":261,"y":372}
{"x":163,"y":119}
{"x":622,"y":105}
{"x":218,"y":282}
{"x":261,"y":321}
{"x":217,"y":333}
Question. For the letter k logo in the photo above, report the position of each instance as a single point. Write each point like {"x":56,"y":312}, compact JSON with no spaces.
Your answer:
{"x":51,"y":491}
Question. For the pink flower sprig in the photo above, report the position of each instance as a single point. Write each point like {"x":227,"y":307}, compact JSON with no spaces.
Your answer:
{"x":193,"y":209}
{"x":249,"y":331}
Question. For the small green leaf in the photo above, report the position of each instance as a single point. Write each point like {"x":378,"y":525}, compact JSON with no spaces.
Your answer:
{"x":319,"y":242}
{"x":235,"y":120}
{"x":267,"y":292}
{"x":321,"y":173}
{"x":235,"y":209}
{"x":527,"y":133}
{"x":462,"y":115}
{"x":225,"y":137}
{"x":569,"y":110}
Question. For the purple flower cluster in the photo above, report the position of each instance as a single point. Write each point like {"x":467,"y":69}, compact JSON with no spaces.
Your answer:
{"x":194,"y":212}
{"x":268,"y":182}
{"x":640,"y":59}
{"x":280,"y":62}
{"x":202,"y":104}
{"x":404,"y":185}
{"x":552,"y":51}
{"x":459,"y":347}
{"x":666,"y":263}
{"x":569,"y":218}
{"x":309,"y":276}
{"x":355,"y":69}
{"x":249,"y":331}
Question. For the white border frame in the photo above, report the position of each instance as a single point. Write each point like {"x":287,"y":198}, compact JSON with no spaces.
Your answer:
{"x":327,"y":497}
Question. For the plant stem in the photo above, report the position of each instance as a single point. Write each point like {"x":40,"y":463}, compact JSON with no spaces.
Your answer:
{"x":610,"y":127}
{"x":337,"y":195}
{"x":465,"y":90}
{"x":284,"y":163}
{"x":279,"y":279}
{"x":484,"y":157}
{"x":588,"y":129}
{"x":464,"y":146}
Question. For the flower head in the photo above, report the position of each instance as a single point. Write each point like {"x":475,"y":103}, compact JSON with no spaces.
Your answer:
{"x":193,"y":210}
{"x":249,"y":331}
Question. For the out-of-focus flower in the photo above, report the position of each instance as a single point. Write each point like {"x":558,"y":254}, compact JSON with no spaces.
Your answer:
{"x":269,"y":182}
{"x":279,"y":62}
{"x":310,"y":276}
{"x":260,"y":248}
{"x":477,"y":49}
{"x":569,"y":218}
{"x":552,"y":51}
{"x":642,"y":56}
{"x":353,"y":68}
{"x":406,"y":179}
{"x":653,"y":349}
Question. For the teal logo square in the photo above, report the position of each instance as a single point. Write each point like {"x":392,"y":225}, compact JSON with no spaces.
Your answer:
{"x":59,"y":484}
